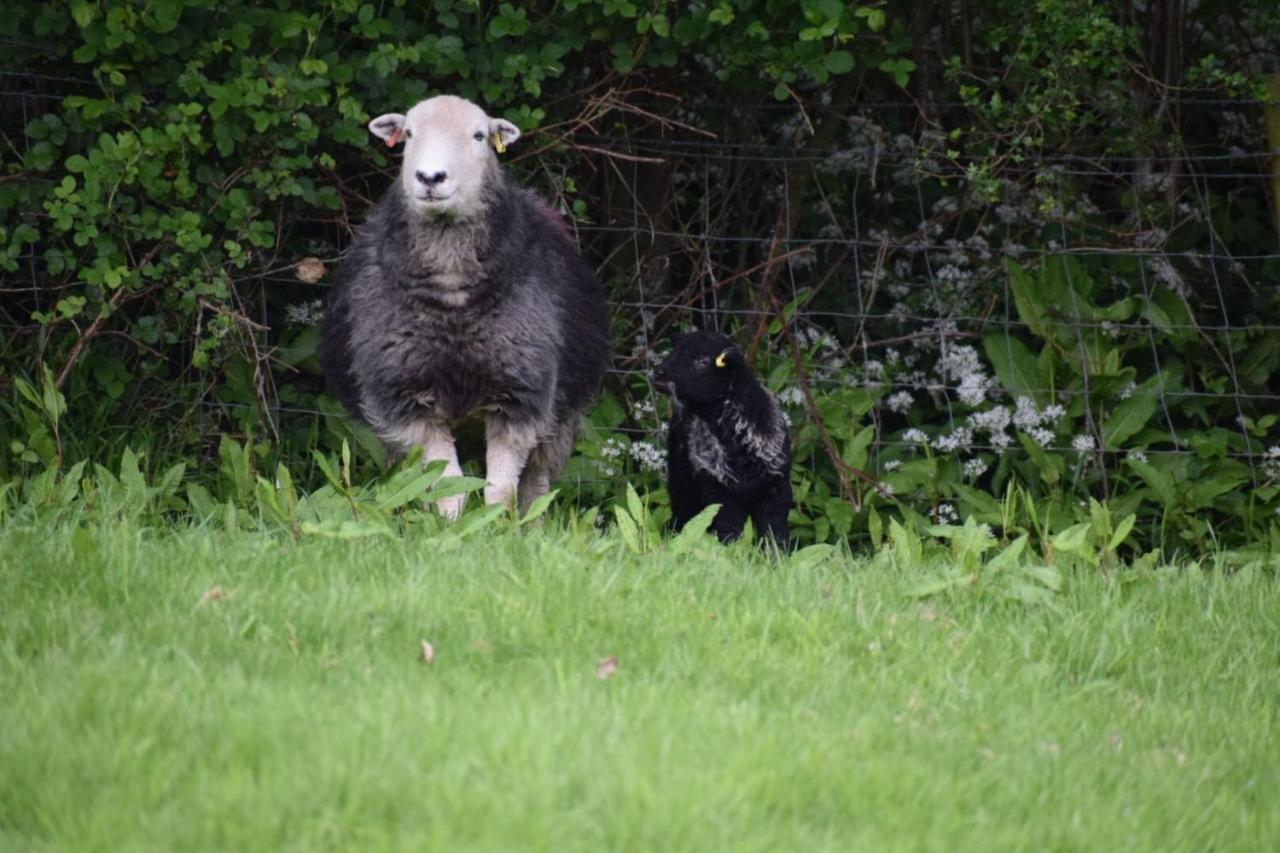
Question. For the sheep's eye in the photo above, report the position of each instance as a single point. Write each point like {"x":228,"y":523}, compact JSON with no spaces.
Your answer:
{"x":408,"y":134}
{"x":702,"y":362}
{"x":479,"y":136}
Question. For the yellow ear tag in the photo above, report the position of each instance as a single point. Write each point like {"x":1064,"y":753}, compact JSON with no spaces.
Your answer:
{"x":720,"y":359}
{"x":498,"y":144}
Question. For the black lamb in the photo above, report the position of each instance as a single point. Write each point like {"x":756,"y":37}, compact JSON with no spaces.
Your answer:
{"x":728,"y":441}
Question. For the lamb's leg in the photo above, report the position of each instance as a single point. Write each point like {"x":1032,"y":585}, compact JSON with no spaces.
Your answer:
{"x":507,"y":448}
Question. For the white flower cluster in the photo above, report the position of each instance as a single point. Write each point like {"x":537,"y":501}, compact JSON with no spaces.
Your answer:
{"x":958,"y":439}
{"x":975,"y":468}
{"x":1271,"y":462}
{"x":900,"y":402}
{"x":791,"y":396}
{"x":650,"y":457}
{"x":304,"y":313}
{"x":945,"y":513}
{"x":1028,"y":418}
{"x":962,"y":365}
{"x":1083,"y":443}
{"x":994,"y":422}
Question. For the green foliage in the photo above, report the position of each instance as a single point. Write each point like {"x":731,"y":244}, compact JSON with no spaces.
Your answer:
{"x":166,"y":208}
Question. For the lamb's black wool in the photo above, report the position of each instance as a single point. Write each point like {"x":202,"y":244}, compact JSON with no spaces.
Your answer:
{"x":728,"y":441}
{"x":496,"y":315}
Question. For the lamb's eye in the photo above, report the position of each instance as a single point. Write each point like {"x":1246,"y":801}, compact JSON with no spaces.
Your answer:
{"x":479,"y":136}
{"x":701,"y":362}
{"x":408,"y":134}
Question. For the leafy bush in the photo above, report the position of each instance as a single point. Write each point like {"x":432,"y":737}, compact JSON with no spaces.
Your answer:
{"x":919,"y":286}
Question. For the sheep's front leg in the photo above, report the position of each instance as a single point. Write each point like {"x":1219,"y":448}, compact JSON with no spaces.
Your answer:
{"x":507,"y":448}
{"x":437,"y":443}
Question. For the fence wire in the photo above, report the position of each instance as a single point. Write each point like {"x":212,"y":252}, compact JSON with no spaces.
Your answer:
{"x":883,"y":261}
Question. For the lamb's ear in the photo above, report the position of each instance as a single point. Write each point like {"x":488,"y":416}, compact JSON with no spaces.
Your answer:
{"x":389,"y":128}
{"x":502,"y":133}
{"x":730,"y":357}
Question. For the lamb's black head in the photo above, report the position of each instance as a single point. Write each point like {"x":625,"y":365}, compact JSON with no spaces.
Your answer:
{"x":701,"y":369}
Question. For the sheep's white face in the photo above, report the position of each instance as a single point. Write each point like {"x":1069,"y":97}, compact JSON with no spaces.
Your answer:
{"x":449,"y":146}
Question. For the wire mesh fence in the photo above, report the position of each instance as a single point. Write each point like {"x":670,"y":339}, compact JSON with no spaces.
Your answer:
{"x":1074,"y":300}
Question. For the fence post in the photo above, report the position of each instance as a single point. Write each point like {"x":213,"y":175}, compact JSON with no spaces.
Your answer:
{"x":1273,"y":144}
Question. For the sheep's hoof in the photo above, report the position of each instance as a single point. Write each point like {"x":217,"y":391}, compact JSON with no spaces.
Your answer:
{"x":451,"y":507}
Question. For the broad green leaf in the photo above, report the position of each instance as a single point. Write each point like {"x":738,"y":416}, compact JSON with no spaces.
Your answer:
{"x":1073,"y":539}
{"x":473,"y":522}
{"x":408,"y":485}
{"x":1008,"y":558}
{"x":627,"y":529}
{"x":539,"y":507}
{"x":1015,"y":366}
{"x":1128,"y":417}
{"x":1156,"y":479}
{"x":695,"y":530}
{"x":634,"y":505}
{"x":1122,"y":532}
{"x":447,"y":487}
{"x":811,"y":555}
{"x":1049,"y":467}
{"x":1027,"y":299}
{"x":131,"y":476}
{"x":327,"y":468}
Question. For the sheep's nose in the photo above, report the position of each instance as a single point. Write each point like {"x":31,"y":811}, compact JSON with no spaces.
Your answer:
{"x":430,"y":179}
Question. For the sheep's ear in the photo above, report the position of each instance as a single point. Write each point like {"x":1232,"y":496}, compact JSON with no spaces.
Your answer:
{"x":389,"y":128}
{"x":502,"y":133}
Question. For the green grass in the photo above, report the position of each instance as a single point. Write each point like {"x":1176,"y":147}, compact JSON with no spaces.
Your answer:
{"x":756,"y":706}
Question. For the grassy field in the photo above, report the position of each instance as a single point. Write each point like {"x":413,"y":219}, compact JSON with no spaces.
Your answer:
{"x":203,"y":690}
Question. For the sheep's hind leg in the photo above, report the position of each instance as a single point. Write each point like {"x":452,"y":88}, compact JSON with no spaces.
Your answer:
{"x":507,"y":448}
{"x":544,"y":465}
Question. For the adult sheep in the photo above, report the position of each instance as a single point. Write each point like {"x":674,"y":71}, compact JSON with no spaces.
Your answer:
{"x":464,"y":295}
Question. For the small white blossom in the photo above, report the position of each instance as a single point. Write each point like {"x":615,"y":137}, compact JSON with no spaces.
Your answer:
{"x":915,"y":436}
{"x":1271,"y":462}
{"x":1041,"y":436}
{"x":900,"y":401}
{"x":651,"y":458}
{"x":304,"y":313}
{"x":945,"y":514}
{"x":1137,"y":456}
{"x":892,"y":465}
{"x":959,"y":439}
{"x":975,"y":468}
{"x":1083,"y":443}
{"x":791,"y":396}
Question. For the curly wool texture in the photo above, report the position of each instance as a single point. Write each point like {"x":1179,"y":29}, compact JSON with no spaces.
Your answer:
{"x":493,"y":315}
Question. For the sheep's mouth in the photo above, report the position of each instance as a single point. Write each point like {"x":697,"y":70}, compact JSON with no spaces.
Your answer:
{"x":432,"y":197}
{"x":662,"y":385}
